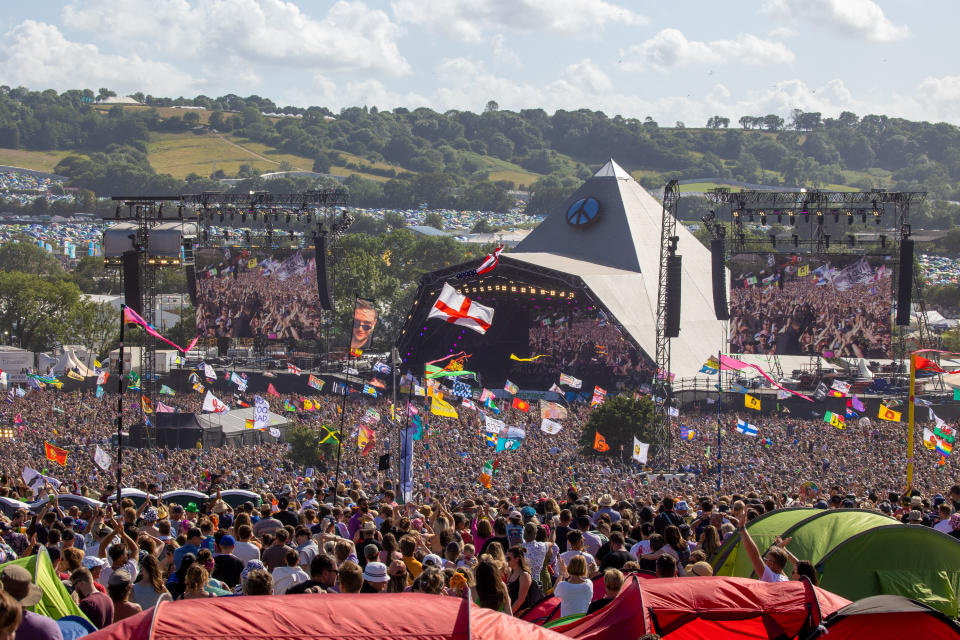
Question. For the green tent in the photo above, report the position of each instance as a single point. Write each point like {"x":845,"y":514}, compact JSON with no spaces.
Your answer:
{"x":56,"y":601}
{"x":908,"y":560}
{"x":730,"y":561}
{"x":815,"y":532}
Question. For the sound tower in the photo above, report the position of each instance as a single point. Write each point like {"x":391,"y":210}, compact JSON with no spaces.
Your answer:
{"x":132,"y":296}
{"x":320,"y":247}
{"x":672,"y":328}
{"x":720,"y":308}
{"x":905,"y":282}
{"x":192,"y":283}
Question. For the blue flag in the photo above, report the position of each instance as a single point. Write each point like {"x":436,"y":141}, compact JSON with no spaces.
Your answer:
{"x":99,"y":391}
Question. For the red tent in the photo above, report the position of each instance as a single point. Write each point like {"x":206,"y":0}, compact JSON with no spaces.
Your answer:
{"x":887,"y":617}
{"x":708,"y":607}
{"x":393,"y":616}
{"x":548,"y":609}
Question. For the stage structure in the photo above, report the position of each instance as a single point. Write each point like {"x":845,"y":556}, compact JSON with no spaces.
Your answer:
{"x":582,"y":291}
{"x":166,"y":232}
{"x":799,"y":244}
{"x":663,"y":385}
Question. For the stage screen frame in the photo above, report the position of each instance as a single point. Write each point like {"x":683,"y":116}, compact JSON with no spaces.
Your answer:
{"x":849,"y":288}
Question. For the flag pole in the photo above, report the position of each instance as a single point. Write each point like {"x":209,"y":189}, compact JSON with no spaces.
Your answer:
{"x":123,"y":308}
{"x":719,"y":429}
{"x":910,"y":395}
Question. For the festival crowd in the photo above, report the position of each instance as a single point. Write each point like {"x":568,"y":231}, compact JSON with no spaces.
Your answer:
{"x":552,"y":519}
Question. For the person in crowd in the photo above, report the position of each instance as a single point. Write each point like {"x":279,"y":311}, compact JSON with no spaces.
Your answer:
{"x":575,"y":591}
{"x":195,"y":582}
{"x":11,"y":616}
{"x":19,"y":594}
{"x":258,"y":582}
{"x":524,"y":590}
{"x":351,"y":577}
{"x":120,"y":589}
{"x":612,"y":583}
{"x":149,"y":586}
{"x":288,"y":574}
{"x":97,"y":606}
{"x":492,"y":593}
{"x":375,"y":578}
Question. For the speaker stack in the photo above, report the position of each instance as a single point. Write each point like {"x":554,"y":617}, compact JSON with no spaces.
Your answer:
{"x":323,"y":289}
{"x":132,"y":295}
{"x":905,"y":282}
{"x":720,"y":308}
{"x":672,"y":328}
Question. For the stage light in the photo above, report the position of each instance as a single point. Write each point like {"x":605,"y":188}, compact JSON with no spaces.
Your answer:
{"x":513,"y":289}
{"x":819,"y":217}
{"x":793,"y":219}
{"x":876,"y":216}
{"x":849,"y":217}
{"x":736,"y":214}
{"x":763,"y":218}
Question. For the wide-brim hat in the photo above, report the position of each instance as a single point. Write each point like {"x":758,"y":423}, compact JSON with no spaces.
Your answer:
{"x":18,"y":582}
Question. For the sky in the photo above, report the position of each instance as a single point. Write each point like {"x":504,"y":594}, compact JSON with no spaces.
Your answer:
{"x":673,"y":61}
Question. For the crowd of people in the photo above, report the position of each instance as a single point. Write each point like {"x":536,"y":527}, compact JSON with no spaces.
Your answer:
{"x":809,"y":315}
{"x":241,"y":296}
{"x":553,"y":518}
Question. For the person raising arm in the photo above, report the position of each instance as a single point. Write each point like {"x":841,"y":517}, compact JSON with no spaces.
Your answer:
{"x":770,"y":567}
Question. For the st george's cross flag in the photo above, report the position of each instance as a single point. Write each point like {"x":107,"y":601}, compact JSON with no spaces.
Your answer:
{"x":461,"y":310}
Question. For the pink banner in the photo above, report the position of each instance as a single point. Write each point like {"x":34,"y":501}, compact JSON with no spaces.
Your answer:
{"x":729,"y":363}
{"x":129,"y":315}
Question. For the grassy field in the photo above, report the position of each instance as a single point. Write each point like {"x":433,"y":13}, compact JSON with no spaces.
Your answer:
{"x":181,"y":154}
{"x":36,"y":160}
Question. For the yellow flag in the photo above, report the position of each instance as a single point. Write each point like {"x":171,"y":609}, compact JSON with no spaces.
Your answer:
{"x":441,"y":408}
{"x":888,"y":414}
{"x":837,"y":421}
{"x":251,"y":263}
{"x":97,"y":363}
{"x":73,"y":375}
{"x":249,"y":424}
{"x":804,"y":270}
{"x":750,"y":402}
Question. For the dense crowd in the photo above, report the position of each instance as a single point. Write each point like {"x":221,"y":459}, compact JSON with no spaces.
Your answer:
{"x":801,"y":316}
{"x":552,"y":519}
{"x":243,"y":298}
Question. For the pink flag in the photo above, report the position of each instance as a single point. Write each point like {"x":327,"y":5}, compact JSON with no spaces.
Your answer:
{"x":272,"y":391}
{"x":165,"y":408}
{"x":129,"y":315}
{"x":855,"y":404}
{"x":728,"y":363}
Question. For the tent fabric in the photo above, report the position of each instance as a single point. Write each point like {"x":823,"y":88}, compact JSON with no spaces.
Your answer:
{"x":813,"y":536}
{"x":708,"y":606}
{"x":890,"y":559}
{"x":394,"y":616}
{"x":887,"y":617}
{"x":56,"y":602}
{"x":730,"y":560}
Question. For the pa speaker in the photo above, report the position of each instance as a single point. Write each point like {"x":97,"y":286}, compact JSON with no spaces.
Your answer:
{"x":672,"y":328}
{"x":905,"y":282}
{"x":720,"y":308}
{"x":192,"y":283}
{"x":326,"y":303}
{"x":132,"y":296}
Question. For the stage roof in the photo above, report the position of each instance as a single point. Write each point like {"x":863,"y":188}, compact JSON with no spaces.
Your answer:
{"x":618,"y":259}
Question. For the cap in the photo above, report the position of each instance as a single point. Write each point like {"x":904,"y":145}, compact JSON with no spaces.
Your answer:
{"x":93,"y":562}
{"x":681,"y":506}
{"x":432,"y":560}
{"x":915,"y":516}
{"x":515,"y":514}
{"x":18,"y":582}
{"x":119,"y":578}
{"x":528,"y":512}
{"x":376,"y":572}
{"x":227,"y":541}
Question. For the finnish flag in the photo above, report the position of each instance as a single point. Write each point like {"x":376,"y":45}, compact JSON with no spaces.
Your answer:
{"x":746,"y":428}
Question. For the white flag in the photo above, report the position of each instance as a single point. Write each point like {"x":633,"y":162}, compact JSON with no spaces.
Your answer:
{"x":783,"y":395}
{"x":261,"y":413}
{"x":673,"y":411}
{"x":34,"y":480}
{"x":549,"y":426}
{"x":274,"y":432}
{"x":640,"y":450}
{"x":515,"y":433}
{"x":492,"y":425}
{"x":102,"y":459}
{"x":459,"y":309}
{"x":102,"y":377}
{"x":209,"y":372}
{"x":212,"y":405}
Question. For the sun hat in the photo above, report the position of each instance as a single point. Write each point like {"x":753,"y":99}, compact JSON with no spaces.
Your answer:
{"x":915,"y":516}
{"x":93,"y":562}
{"x":700,"y":568}
{"x":18,"y":582}
{"x":432,"y":560}
{"x":368,"y":526}
{"x":376,"y":572}
{"x":150,"y":515}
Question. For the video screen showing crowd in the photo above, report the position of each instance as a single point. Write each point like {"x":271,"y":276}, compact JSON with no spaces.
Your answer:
{"x":830,"y":306}
{"x":249,"y":293}
{"x":583,"y":343}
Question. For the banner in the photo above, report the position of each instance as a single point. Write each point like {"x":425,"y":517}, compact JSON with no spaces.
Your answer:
{"x":493,"y":425}
{"x":55,"y":454}
{"x":35,"y":480}
{"x":102,"y":459}
{"x":549,"y":426}
{"x":314,"y":382}
{"x":442,"y":408}
{"x":552,"y":410}
{"x":640,"y":450}
{"x":212,"y":404}
{"x":261,"y":413}
{"x":888,"y":414}
{"x":570,"y":381}
{"x":364,"y":322}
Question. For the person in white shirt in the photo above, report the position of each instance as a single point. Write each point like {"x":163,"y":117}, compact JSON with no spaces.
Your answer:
{"x":287,"y":576}
{"x":944,"y":512}
{"x":244,"y":549}
{"x":575,"y":591}
{"x":575,"y":549}
{"x":769,"y":568}
{"x":309,"y":501}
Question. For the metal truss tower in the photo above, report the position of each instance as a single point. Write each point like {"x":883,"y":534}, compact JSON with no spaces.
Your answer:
{"x":662,"y":387}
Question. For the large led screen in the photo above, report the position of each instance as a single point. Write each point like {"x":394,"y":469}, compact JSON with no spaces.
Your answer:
{"x":827,"y":305}
{"x":250,"y":293}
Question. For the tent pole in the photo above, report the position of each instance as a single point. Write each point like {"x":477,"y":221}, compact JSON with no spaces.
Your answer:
{"x":910,"y":396}
{"x":719,"y":430}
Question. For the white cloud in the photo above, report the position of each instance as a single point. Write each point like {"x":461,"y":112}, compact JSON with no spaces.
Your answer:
{"x":670,"y":49}
{"x":504,"y":54}
{"x":222,"y":35}
{"x":37,"y":55}
{"x":862,"y":19}
{"x":467,"y":19}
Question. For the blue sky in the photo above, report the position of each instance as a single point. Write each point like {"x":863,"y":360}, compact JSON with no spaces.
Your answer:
{"x":672,"y":61}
